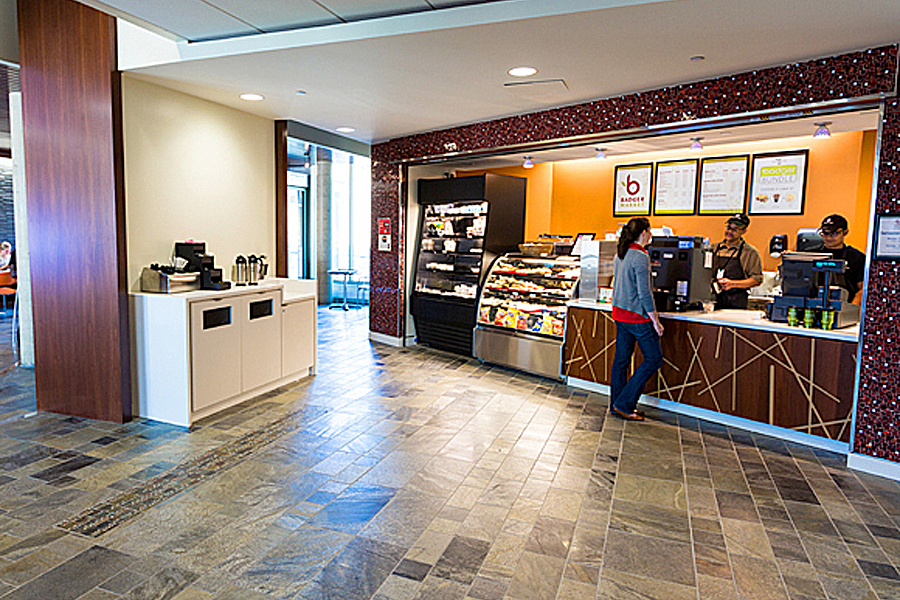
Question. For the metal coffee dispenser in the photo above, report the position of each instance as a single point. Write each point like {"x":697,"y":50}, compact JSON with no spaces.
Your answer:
{"x":681,"y":269}
{"x":239,"y":272}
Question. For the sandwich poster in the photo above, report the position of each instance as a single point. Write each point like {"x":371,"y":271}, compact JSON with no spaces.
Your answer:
{"x":633,"y":188}
{"x":778,"y":184}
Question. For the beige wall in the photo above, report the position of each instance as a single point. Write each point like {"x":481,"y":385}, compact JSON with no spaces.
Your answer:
{"x":195,"y":170}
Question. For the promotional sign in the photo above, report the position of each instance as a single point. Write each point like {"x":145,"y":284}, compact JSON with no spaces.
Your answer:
{"x":779,"y":183}
{"x":384,"y":235}
{"x":887,"y":242}
{"x":676,"y":187}
{"x":723,"y":185}
{"x":631,"y":197}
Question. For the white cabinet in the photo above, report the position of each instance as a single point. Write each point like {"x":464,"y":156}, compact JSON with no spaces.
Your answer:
{"x":298,"y":343}
{"x":215,"y":351}
{"x":197,"y":353}
{"x":260,"y":343}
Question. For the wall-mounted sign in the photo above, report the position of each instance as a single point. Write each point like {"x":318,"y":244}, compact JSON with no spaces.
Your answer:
{"x":384,"y":235}
{"x":887,"y":237}
{"x":779,"y":183}
{"x":633,"y":186}
{"x":723,"y":185}
{"x":676,"y":187}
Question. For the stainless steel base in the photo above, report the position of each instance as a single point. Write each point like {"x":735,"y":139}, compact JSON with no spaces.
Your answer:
{"x":520,"y":350}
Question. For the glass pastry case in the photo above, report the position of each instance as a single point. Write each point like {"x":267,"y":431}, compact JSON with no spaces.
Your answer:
{"x":522,"y":312}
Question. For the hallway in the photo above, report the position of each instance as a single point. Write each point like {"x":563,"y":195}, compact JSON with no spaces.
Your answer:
{"x":401,"y":473}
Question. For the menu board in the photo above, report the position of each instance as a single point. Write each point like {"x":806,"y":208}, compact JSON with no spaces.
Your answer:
{"x":779,"y":183}
{"x":887,"y":244}
{"x":723,"y":185}
{"x":676,"y":187}
{"x":631,"y":197}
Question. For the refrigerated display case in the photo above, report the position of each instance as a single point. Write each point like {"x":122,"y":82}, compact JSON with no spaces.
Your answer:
{"x":522,"y":312}
{"x":464,"y":223}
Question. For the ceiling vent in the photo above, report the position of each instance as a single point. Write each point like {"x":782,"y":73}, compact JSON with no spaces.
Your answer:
{"x":544,"y":90}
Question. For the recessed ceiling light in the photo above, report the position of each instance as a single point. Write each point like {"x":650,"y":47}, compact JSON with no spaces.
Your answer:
{"x":522,"y":71}
{"x":252,"y":97}
{"x":345,"y":129}
{"x":697,"y":58}
{"x":301,"y":92}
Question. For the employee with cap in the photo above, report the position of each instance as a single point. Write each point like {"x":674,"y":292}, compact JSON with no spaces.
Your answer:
{"x":833,"y":230}
{"x":738,"y":266}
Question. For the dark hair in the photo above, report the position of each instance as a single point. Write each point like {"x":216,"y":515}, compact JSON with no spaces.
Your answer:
{"x":631,"y":233}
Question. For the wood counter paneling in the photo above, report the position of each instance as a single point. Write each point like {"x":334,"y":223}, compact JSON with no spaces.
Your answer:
{"x":794,"y":381}
{"x":71,"y":110}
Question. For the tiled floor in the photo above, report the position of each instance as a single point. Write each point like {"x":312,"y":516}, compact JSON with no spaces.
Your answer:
{"x":407,"y":473}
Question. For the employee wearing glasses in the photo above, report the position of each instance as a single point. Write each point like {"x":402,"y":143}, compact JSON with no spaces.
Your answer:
{"x":738,"y":265}
{"x":833,"y":230}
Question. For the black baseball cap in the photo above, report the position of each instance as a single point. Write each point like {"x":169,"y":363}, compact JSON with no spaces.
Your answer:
{"x":833,"y":223}
{"x":739,"y":219}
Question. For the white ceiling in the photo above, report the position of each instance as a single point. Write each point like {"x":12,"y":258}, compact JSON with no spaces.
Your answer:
{"x":432,"y":65}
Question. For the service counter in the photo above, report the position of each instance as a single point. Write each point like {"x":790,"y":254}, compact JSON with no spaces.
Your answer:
{"x":734,"y":367}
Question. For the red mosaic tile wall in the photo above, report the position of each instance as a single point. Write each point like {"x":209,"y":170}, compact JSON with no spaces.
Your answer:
{"x":878,"y":406}
{"x":852,"y":75}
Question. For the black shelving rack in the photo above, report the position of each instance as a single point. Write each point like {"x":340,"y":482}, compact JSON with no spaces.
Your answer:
{"x":464,"y":224}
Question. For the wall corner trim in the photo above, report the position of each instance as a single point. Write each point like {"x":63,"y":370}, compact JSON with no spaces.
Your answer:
{"x":390,"y":340}
{"x":874,"y":466}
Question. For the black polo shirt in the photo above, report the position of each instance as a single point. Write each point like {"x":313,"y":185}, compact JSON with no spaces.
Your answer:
{"x":856,"y":267}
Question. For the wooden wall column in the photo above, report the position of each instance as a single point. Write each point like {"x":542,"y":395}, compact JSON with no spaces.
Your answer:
{"x":76,"y":208}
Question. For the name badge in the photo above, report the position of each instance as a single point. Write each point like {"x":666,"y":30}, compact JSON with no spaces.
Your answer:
{"x":720,"y":274}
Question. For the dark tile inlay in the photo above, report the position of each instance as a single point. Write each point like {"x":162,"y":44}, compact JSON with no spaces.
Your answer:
{"x":462,"y":559}
{"x":412,"y":569}
{"x":74,"y":577}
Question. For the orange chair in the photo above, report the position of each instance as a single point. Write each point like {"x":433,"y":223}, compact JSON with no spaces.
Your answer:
{"x":6,"y":289}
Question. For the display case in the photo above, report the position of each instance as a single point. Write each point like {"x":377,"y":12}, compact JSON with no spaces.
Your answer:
{"x":522,"y":312}
{"x":451,"y":249}
{"x":464,"y":223}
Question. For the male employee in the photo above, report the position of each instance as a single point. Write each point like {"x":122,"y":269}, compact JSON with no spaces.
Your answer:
{"x":833,"y":230}
{"x":737,"y":264}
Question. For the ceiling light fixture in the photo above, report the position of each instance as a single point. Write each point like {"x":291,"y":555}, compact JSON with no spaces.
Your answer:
{"x":345,"y":129}
{"x":301,"y":92}
{"x":252,"y":97}
{"x":527,"y":164}
{"x":697,"y":58}
{"x":522,"y":71}
{"x":696,"y":144}
{"x":601,"y":154}
{"x":822,"y":130}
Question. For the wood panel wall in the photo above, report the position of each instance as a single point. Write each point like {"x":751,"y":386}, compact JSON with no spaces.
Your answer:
{"x":281,"y":173}
{"x":76,"y":209}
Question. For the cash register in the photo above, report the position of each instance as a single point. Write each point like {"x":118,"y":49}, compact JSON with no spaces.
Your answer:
{"x":806,"y":283}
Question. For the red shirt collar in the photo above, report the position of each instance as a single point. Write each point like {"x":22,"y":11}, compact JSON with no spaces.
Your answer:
{"x":637,"y":247}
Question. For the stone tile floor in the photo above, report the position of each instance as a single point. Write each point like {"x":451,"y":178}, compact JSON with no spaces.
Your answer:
{"x":409,"y":473}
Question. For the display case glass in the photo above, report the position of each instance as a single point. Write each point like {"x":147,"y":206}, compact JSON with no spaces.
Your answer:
{"x":525,"y":293}
{"x":451,"y":246}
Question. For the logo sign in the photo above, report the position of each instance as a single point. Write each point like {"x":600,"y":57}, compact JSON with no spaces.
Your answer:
{"x":632,"y":190}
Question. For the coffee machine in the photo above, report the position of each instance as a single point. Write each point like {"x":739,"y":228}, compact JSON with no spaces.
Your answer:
{"x":681,"y":269}
{"x":191,"y":257}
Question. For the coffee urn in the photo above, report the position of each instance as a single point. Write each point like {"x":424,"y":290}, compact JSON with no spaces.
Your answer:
{"x":239,"y":271}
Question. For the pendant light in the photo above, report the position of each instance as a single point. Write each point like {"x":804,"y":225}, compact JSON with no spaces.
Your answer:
{"x":696,"y":144}
{"x":822,"y":130}
{"x":601,"y":154}
{"x":527,"y":164}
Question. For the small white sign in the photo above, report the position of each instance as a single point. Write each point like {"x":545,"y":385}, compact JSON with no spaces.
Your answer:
{"x":384,"y":242}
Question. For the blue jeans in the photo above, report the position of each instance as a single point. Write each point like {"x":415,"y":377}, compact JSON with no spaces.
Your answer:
{"x":624,"y":395}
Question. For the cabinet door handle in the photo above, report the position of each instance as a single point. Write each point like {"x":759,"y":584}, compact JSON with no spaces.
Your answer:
{"x":216,"y":317}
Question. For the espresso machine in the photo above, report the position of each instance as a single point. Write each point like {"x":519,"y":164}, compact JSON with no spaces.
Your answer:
{"x":681,"y":270}
{"x":191,"y":257}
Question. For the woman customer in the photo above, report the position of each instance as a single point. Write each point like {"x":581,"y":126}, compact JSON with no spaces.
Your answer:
{"x":636,"y":320}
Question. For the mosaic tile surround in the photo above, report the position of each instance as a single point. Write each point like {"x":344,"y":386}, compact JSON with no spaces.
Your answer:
{"x":847,"y":76}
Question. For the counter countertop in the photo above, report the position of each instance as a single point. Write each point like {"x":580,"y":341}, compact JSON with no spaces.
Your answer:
{"x":745,"y":319}
{"x":289,"y":292}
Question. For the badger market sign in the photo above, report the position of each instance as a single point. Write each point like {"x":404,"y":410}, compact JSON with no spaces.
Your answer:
{"x":633,"y":190}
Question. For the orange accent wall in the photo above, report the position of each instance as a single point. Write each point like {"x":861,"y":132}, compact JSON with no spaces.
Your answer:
{"x":575,"y":196}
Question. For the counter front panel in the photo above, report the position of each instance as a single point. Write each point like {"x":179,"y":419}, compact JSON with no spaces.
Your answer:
{"x":794,"y":381}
